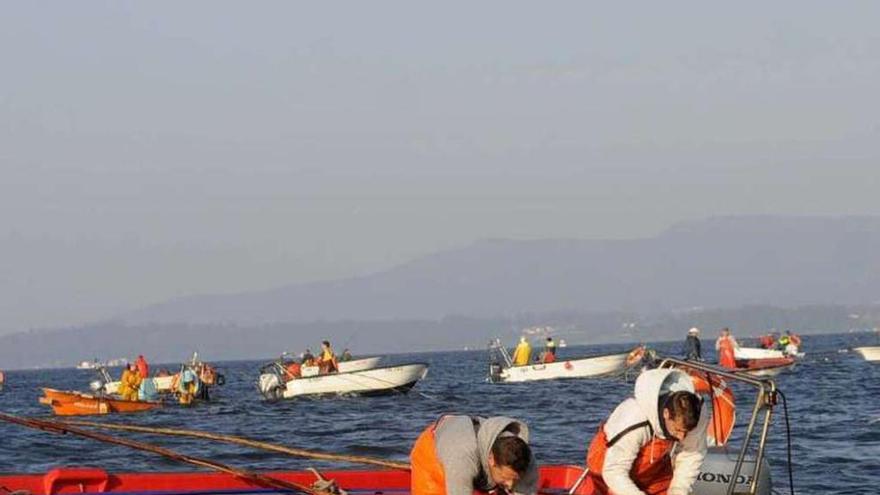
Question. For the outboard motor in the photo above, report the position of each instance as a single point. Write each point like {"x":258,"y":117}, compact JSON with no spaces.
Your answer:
{"x":494,"y":372}
{"x":270,"y":386}
{"x":717,"y":471}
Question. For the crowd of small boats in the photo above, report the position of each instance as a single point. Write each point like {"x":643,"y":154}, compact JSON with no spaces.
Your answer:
{"x":289,"y":378}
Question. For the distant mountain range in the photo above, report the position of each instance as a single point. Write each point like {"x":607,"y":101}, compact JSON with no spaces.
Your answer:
{"x":751,"y":273}
{"x":718,"y":262}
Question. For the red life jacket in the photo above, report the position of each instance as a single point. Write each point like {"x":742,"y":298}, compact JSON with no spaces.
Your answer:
{"x":651,"y":470}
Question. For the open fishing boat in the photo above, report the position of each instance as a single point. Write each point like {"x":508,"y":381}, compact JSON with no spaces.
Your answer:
{"x":869,"y":353}
{"x":502,"y":370}
{"x":197,"y":377}
{"x":71,"y":403}
{"x":713,"y":480}
{"x":275,"y":383}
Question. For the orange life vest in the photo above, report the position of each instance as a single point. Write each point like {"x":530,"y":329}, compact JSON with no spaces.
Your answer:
{"x":428,"y":477}
{"x":651,"y":470}
{"x":725,"y":353}
{"x":723,"y":416}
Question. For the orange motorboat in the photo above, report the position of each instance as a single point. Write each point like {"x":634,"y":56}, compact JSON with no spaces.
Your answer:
{"x":71,"y":403}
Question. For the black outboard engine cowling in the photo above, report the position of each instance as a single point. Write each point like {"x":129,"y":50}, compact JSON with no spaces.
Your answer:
{"x":494,"y":372}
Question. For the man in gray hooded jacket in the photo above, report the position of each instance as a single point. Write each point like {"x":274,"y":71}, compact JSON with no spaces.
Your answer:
{"x":458,"y":454}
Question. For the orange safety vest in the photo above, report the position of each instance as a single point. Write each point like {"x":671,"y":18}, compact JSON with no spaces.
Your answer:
{"x":725,"y":353}
{"x":651,"y":470}
{"x":428,"y":477}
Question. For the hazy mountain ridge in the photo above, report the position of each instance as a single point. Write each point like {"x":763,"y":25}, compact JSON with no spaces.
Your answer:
{"x":718,"y":262}
{"x":750,"y":273}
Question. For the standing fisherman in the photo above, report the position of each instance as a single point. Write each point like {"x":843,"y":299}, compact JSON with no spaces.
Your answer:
{"x":142,"y":366}
{"x":726,"y":345}
{"x":327,"y":361}
{"x":523,"y":352}
{"x":692,"y":347}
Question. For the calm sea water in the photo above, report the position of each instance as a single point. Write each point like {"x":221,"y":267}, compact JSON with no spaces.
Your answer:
{"x":833,"y":400}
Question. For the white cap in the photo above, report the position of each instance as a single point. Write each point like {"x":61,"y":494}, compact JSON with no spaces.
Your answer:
{"x":694,"y":330}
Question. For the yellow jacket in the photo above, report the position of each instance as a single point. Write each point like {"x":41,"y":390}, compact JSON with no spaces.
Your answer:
{"x":129,"y":384}
{"x":522,"y":354}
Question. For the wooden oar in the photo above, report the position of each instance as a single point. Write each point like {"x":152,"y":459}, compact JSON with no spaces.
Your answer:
{"x":246,"y":442}
{"x":259,"y":479}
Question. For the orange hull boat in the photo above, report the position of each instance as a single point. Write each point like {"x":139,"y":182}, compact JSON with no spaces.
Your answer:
{"x":70,"y":403}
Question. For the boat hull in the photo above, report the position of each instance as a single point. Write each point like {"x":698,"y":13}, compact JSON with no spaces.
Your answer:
{"x":70,"y":403}
{"x":712,"y":480}
{"x":163,"y":385}
{"x":765,"y":367}
{"x":369,"y":382}
{"x":869,"y":353}
{"x":588,"y":367}
{"x":746,"y":353}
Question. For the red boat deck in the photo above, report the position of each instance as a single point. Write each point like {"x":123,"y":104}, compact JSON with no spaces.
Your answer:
{"x":554,"y":479}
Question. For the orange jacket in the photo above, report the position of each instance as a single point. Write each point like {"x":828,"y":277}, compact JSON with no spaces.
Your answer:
{"x":726,"y":357}
{"x":651,"y":471}
{"x":428,"y":477}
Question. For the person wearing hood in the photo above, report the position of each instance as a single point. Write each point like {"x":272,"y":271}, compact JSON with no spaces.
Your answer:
{"x":457,"y":455}
{"x":692,"y":349}
{"x":632,"y":453}
{"x":523,"y":352}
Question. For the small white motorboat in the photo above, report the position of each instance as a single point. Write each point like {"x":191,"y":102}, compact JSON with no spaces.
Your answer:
{"x":275,"y":383}
{"x":583,"y":367}
{"x":869,"y":353}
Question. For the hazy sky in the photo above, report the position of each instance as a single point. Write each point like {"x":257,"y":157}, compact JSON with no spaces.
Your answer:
{"x":155,"y":149}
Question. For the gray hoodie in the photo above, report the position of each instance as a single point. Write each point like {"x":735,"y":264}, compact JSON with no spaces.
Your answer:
{"x":463,"y":445}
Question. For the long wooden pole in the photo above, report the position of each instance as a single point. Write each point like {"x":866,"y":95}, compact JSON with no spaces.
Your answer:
{"x":259,"y":479}
{"x":246,"y":442}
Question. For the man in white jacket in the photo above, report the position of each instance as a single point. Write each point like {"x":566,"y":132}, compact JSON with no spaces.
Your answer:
{"x":653,"y":443}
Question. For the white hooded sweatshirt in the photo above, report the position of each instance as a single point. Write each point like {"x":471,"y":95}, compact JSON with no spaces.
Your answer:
{"x":687,"y":455}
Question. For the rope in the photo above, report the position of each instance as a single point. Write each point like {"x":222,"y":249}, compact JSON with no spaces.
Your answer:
{"x":259,"y":479}
{"x":788,"y":440}
{"x":246,"y":442}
